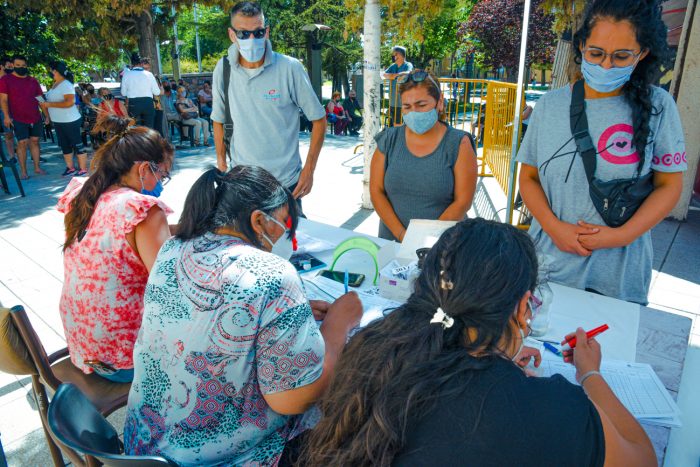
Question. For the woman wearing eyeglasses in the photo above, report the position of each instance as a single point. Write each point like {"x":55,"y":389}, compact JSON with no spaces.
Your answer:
{"x":229,"y":350}
{"x":637,"y":140}
{"x":115,"y":225}
{"x":424,"y":169}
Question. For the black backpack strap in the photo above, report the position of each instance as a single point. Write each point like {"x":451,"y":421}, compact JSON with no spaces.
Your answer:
{"x":228,"y":126}
{"x":579,"y":129}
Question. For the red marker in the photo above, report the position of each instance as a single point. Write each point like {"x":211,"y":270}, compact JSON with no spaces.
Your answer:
{"x":571,"y":343}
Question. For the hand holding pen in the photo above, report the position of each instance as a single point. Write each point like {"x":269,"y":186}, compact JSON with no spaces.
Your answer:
{"x":587,"y":355}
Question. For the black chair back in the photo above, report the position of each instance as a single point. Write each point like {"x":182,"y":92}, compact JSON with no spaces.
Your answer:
{"x":75,"y":422}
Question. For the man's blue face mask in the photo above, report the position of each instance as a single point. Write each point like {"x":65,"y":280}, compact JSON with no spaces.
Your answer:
{"x":253,"y":50}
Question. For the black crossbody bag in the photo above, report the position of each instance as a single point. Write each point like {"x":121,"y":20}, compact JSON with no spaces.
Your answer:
{"x":228,"y":126}
{"x":615,"y":200}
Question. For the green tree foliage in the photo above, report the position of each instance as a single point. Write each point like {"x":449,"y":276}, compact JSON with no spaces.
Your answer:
{"x":427,"y":28}
{"x":285,"y":19}
{"x":28,"y":34}
{"x":493,"y":34}
{"x":213,"y":23}
{"x":440,"y":33}
{"x":565,"y":12}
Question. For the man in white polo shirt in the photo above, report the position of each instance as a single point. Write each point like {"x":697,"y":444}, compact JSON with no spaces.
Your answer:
{"x":138,"y":87}
{"x":266,"y":90}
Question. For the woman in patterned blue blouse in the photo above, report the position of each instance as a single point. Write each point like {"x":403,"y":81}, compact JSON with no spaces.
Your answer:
{"x":229,"y":350}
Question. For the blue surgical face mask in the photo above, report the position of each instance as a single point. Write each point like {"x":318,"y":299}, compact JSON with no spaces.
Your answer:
{"x":157,"y":190}
{"x":421,"y":122}
{"x":606,"y":79}
{"x":253,"y":50}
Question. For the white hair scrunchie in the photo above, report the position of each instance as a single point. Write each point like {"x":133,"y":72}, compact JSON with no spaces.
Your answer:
{"x":442,"y":318}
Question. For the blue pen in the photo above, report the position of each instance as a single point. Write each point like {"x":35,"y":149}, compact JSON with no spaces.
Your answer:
{"x":552,"y":349}
{"x":345,"y":280}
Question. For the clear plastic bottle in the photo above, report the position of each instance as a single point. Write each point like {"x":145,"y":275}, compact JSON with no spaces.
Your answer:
{"x":542,"y":298}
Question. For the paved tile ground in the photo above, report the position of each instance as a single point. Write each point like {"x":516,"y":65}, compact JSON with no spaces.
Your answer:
{"x":31,"y":274}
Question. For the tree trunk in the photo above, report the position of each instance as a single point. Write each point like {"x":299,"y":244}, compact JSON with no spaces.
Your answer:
{"x":146,"y":40}
{"x":563,"y":58}
{"x":372,"y":97}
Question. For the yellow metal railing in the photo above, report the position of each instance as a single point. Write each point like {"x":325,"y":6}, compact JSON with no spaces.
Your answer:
{"x":498,"y":129}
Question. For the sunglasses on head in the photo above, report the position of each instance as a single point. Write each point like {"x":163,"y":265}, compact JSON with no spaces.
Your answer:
{"x":417,"y":76}
{"x":243,"y":34}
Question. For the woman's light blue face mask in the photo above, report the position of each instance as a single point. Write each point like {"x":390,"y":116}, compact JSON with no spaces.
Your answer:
{"x":421,"y":122}
{"x":606,"y":79}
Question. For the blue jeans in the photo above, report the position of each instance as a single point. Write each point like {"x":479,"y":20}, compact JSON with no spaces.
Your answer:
{"x":120,"y":376}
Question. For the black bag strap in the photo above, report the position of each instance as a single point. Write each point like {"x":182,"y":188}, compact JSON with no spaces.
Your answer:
{"x":579,"y":129}
{"x":228,"y":125}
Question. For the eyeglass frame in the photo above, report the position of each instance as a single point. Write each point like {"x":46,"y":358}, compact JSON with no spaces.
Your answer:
{"x":164,"y":177}
{"x":244,"y":34}
{"x":612,"y":56}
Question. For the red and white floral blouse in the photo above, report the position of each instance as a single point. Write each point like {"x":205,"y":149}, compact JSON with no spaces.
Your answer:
{"x":104,"y":279}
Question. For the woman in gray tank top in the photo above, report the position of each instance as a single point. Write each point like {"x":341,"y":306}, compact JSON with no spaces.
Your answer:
{"x":424,"y":169}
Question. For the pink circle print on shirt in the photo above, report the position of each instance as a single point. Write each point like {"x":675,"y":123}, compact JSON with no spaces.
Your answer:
{"x":616,"y":146}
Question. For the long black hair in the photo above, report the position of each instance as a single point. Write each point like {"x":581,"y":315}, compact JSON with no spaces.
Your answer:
{"x":650,"y":31}
{"x":219,"y":199}
{"x":396,"y":368}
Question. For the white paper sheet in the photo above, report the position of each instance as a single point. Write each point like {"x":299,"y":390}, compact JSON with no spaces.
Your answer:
{"x":309,"y":244}
{"x":422,"y":233}
{"x":572,"y":308}
{"x":373,"y":305}
{"x":635,"y":384}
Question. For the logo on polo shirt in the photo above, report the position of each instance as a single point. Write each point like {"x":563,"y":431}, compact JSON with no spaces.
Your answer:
{"x":272,"y":95}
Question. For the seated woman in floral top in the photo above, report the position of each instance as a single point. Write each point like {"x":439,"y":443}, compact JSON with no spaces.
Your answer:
{"x":115,"y":226}
{"x":229,"y":348}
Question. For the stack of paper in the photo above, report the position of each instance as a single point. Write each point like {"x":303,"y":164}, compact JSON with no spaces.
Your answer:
{"x":635,"y":384}
{"x":373,"y":305}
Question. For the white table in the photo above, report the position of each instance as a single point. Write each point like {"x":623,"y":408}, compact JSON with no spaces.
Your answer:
{"x":662,"y":338}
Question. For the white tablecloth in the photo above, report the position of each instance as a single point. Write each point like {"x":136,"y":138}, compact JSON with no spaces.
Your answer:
{"x":571,"y":308}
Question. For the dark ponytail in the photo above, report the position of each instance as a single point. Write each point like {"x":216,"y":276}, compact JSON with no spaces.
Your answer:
{"x":126,"y":146}
{"x":397,"y":368}
{"x":228,"y":199}
{"x":650,"y":30}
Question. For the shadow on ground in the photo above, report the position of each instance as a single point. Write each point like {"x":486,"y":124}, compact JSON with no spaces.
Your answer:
{"x":42,"y":192}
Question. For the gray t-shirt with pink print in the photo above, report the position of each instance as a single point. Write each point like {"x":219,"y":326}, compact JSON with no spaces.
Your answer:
{"x":623,"y":273}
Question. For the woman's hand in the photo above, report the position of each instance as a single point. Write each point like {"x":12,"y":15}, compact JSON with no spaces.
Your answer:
{"x":566,"y":237}
{"x":605,"y":237}
{"x":319,"y":308}
{"x":586,"y":356}
{"x":527,"y":354}
{"x":343,"y":314}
